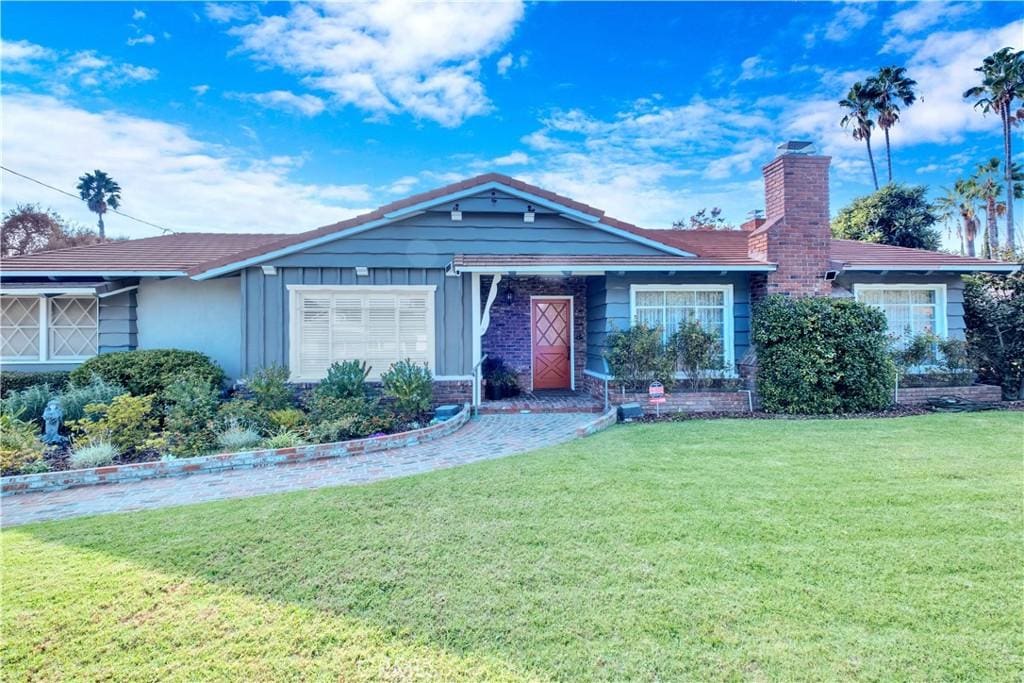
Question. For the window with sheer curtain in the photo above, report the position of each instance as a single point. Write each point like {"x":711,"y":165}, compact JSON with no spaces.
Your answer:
{"x":379,"y":325}
{"x":909,"y":310}
{"x":667,"y":306}
{"x":41,"y":328}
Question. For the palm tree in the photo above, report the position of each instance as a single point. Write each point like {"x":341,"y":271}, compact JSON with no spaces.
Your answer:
{"x":1002,"y":82}
{"x":891,"y":88}
{"x":958,"y":209}
{"x":858,"y":104}
{"x":987,"y":184}
{"x":100,"y":192}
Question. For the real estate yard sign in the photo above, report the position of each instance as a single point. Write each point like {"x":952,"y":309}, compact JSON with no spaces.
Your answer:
{"x":656,"y":394}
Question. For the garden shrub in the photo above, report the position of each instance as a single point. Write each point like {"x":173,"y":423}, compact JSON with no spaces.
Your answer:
{"x":238,"y":438}
{"x":697,"y":352}
{"x":93,"y":454}
{"x":245,"y":412}
{"x":345,"y":380}
{"x":269,"y":388}
{"x":637,"y":356}
{"x":284,"y":439}
{"x":189,"y":413}
{"x":148,"y":371}
{"x":410,"y":385}
{"x":930,"y":360}
{"x":322,"y":408}
{"x":29,"y":403}
{"x":821,"y":355}
{"x":994,"y":315}
{"x":20,"y":447}
{"x":13,"y":380}
{"x":288,"y":419}
{"x":352,"y":426}
{"x":127,"y":422}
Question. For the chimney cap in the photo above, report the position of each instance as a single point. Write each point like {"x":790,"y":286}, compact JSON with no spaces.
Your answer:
{"x":796,"y":147}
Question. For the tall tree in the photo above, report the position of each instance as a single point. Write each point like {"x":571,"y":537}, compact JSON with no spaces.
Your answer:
{"x":891,"y":88}
{"x":100,"y":192}
{"x":859,"y":103}
{"x":897,"y":214}
{"x":1002,"y":83}
{"x":704,"y":220}
{"x":27,"y":228}
{"x":987,"y":185}
{"x":958,"y":206}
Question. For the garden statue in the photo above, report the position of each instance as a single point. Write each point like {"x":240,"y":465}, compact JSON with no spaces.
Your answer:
{"x":53,"y":416}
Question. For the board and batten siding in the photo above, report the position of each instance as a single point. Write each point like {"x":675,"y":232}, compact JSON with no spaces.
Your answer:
{"x":608,"y":306}
{"x":267,"y":318}
{"x":955,"y":328}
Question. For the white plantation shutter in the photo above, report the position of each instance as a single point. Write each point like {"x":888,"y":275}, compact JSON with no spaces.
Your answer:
{"x":379,"y":325}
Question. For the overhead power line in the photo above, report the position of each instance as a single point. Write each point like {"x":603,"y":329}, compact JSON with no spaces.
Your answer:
{"x":74,"y":196}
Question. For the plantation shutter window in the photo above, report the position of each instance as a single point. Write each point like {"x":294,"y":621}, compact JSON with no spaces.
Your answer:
{"x":36,"y":329}
{"x":668,"y":306}
{"x":378,"y":325}
{"x":909,"y":310}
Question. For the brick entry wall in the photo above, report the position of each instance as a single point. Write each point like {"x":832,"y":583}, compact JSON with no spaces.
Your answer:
{"x":508,"y":336}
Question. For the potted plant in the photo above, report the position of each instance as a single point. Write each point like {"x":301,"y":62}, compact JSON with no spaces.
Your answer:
{"x":499,"y":380}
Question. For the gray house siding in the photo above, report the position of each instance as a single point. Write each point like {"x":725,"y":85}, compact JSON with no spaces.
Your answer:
{"x":608,"y":306}
{"x":266,"y":316}
{"x":844,"y":284}
{"x":118,"y":322}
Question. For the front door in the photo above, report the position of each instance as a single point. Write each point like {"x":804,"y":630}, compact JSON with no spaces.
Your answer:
{"x":551,"y":330}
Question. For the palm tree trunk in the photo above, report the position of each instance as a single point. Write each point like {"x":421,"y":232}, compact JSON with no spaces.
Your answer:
{"x":888,"y":153}
{"x":871,"y":160}
{"x":992,"y":227}
{"x":969,"y":233}
{"x":1008,"y":170}
{"x":102,"y":232}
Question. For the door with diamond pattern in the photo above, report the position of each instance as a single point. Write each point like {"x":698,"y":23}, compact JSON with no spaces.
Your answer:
{"x":551,"y":321}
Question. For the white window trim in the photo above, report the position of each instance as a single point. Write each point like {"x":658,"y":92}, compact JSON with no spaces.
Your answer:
{"x":728,"y":314}
{"x":43,"y":302}
{"x":941,"y":309}
{"x":293,"y":319}
{"x":572,"y":333}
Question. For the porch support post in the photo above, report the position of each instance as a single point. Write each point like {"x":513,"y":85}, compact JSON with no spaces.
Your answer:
{"x":475,"y":333}
{"x":485,"y":319}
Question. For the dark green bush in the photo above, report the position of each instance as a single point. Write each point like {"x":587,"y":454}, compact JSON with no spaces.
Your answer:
{"x":244,"y":412}
{"x":322,"y":407}
{"x":14,"y":380}
{"x":994,"y":315}
{"x":410,"y":385}
{"x":637,"y":357}
{"x":269,"y":388}
{"x":697,"y":352}
{"x":149,"y":371}
{"x":351,"y":427}
{"x":345,"y":380}
{"x":820,"y":355}
{"x":190,"y":409}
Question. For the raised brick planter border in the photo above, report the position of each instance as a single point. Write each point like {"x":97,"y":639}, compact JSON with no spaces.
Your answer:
{"x":678,"y":401}
{"x":56,"y":481}
{"x":977,"y":392}
{"x":610,"y":417}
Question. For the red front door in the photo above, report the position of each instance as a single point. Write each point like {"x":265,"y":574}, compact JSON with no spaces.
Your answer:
{"x":551,"y":327}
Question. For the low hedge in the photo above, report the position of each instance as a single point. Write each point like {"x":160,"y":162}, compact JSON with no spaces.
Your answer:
{"x":820,"y":355}
{"x":13,"y":380}
{"x":148,"y":371}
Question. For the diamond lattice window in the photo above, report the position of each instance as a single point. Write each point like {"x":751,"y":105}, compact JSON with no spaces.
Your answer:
{"x":73,"y":327}
{"x":19,"y":327}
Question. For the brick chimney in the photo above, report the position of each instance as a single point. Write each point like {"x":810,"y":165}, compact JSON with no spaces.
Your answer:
{"x":796,"y":233}
{"x":753,"y":224}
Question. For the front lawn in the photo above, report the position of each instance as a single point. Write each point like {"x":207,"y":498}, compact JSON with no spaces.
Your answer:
{"x":756,"y":550}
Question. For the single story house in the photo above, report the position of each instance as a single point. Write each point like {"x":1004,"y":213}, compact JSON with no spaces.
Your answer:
{"x":490,"y":266}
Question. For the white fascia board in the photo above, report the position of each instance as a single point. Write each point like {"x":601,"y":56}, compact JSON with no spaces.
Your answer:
{"x":42,"y":291}
{"x":600,"y":269}
{"x":93,"y":273}
{"x":995,"y":268}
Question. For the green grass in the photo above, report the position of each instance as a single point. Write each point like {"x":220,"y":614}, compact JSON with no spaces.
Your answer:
{"x":755,"y":550}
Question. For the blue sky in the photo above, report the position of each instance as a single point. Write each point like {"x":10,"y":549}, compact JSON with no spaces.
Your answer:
{"x":269,"y":117}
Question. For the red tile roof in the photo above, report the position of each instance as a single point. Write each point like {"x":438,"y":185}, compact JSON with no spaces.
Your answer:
{"x":850,"y":253}
{"x":665,"y":262}
{"x":169,"y":253}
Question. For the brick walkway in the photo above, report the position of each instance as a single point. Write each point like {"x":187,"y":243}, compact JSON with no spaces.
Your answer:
{"x":483,"y":438}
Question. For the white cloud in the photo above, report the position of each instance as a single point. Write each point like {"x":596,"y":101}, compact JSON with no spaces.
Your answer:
{"x":146,"y":39}
{"x":847,"y":21}
{"x":512,"y":159}
{"x":504,"y":64}
{"x":923,"y":15}
{"x":755,"y":67}
{"x":21,"y":56}
{"x":224,"y":12}
{"x":138,"y":15}
{"x":200,"y":89}
{"x":167,"y":175}
{"x":403,"y":185}
{"x":283,"y":100}
{"x":388,"y":57}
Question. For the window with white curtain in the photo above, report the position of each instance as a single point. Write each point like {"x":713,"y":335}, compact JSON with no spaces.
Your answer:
{"x":667,"y":306}
{"x":48,"y":328}
{"x":379,"y":325}
{"x":909,"y":310}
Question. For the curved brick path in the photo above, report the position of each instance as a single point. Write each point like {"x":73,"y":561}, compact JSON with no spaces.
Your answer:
{"x":483,"y":438}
